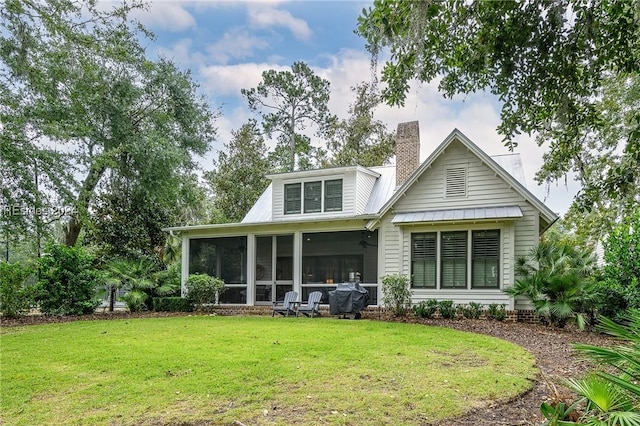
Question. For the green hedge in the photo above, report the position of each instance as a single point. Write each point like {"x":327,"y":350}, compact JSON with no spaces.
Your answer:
{"x":172,"y":304}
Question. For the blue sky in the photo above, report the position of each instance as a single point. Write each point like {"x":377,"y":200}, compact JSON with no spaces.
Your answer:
{"x":227,"y":45}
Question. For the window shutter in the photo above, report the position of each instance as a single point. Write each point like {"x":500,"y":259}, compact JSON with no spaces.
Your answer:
{"x":485,"y":259}
{"x":423,"y":260}
{"x":454,"y":259}
{"x":456,"y":182}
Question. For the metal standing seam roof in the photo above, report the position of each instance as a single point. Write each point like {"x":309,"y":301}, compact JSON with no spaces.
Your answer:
{"x":383,"y":190}
{"x":479,"y":213}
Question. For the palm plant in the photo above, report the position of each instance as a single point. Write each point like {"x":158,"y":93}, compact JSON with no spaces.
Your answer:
{"x":135,"y":276}
{"x":607,"y":398}
{"x":170,"y":252}
{"x":554,"y":277}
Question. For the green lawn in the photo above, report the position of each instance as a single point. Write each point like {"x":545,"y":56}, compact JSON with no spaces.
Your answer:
{"x":257,"y":370}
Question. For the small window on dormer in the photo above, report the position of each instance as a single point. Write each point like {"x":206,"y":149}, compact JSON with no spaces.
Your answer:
{"x":313,"y":197}
{"x":455,"y":182}
{"x":292,"y":198}
{"x":333,"y":195}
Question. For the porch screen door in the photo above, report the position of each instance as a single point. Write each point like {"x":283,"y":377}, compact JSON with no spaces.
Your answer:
{"x":274,"y":267}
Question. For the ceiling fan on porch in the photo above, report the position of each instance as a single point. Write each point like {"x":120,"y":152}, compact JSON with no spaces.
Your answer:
{"x":364,"y":242}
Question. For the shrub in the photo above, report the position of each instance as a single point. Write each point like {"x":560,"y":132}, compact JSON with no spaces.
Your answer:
{"x":622,"y":251}
{"x":497,"y":312}
{"x":397,"y":296}
{"x":447,"y":309}
{"x":203,"y":289}
{"x":172,"y":304}
{"x":68,"y":281}
{"x":613,"y":299}
{"x":15,"y":296}
{"x":556,"y":278}
{"x":426,"y":308}
{"x":619,"y":290}
{"x":471,"y":311}
{"x":135,"y":276}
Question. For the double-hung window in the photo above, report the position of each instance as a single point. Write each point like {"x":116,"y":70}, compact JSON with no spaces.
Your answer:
{"x":292,"y":198}
{"x":313,"y":197}
{"x":333,"y":195}
{"x":423,"y":260}
{"x":442,"y":259}
{"x":453,"y":259}
{"x":485,"y":259}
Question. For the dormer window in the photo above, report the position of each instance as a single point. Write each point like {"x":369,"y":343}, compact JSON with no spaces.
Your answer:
{"x":313,"y":197}
{"x":292,"y":198}
{"x":318,"y":196}
{"x":333,"y":195}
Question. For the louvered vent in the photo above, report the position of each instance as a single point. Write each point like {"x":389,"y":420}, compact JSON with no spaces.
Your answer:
{"x":456,"y":182}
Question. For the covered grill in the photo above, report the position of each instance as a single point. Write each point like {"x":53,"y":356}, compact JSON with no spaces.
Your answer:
{"x":348,"y":298}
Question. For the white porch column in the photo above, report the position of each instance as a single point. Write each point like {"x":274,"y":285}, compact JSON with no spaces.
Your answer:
{"x":381,"y":262}
{"x":185,"y":265}
{"x":511,"y":229}
{"x":297,"y":262}
{"x":251,"y":268}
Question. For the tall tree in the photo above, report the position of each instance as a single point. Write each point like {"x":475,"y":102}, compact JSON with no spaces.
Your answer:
{"x":547,"y":62}
{"x":238,"y":178}
{"x":80,"y":98}
{"x":360,"y":139}
{"x":288,"y":101}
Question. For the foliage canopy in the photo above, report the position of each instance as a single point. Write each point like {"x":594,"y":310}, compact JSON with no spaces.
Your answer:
{"x":554,"y":66}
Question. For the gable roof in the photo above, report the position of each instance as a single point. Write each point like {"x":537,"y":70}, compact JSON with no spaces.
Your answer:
{"x":457,"y":135}
{"x":385,"y":194}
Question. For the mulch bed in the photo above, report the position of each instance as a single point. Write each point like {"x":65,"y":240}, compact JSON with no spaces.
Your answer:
{"x":551,"y":347}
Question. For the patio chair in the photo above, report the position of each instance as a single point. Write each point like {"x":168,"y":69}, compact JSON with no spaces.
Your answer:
{"x":287,"y":306}
{"x":311,"y":308}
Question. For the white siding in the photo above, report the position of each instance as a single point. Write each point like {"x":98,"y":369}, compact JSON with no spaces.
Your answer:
{"x":485,"y":189}
{"x":348,"y":196}
{"x":390,"y":254}
{"x":364,"y":186}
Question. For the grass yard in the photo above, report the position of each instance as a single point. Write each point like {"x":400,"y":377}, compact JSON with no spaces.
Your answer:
{"x":257,"y":370}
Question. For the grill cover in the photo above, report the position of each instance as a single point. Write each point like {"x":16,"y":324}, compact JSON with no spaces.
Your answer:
{"x":348,"y":298}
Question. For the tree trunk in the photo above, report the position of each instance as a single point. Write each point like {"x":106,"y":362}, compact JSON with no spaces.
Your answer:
{"x":112,"y":298}
{"x":292,"y":142}
{"x":72,"y":232}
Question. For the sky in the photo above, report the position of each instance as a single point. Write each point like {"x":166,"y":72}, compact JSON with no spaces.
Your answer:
{"x":228,"y":44}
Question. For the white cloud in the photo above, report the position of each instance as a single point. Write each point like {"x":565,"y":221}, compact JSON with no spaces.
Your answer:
{"x":182,"y":53}
{"x":228,"y":80}
{"x":170,"y":16}
{"x":261,"y":16}
{"x":477,"y":115}
{"x":237,"y":44}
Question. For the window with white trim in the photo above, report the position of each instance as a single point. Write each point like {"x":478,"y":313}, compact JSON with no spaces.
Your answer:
{"x":423,"y":260}
{"x":292,"y":198}
{"x":455,"y":182}
{"x":485,"y":259}
{"x":313,"y":197}
{"x":456,"y":259}
{"x":453,"y":259}
{"x":333,"y":195}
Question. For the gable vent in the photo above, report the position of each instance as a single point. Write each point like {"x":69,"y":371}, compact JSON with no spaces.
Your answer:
{"x":456,"y":182}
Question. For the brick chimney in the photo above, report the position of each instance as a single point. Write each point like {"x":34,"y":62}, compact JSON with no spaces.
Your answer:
{"x":407,"y":150}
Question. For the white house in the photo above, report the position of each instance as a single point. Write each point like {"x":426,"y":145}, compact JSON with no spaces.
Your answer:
{"x":454,"y":224}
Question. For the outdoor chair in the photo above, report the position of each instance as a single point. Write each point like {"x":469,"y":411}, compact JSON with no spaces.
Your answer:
{"x":312,"y":306}
{"x":287,"y":306}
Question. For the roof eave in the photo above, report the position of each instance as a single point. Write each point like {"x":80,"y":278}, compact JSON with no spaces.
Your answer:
{"x":548,"y":214}
{"x":215,"y":226}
